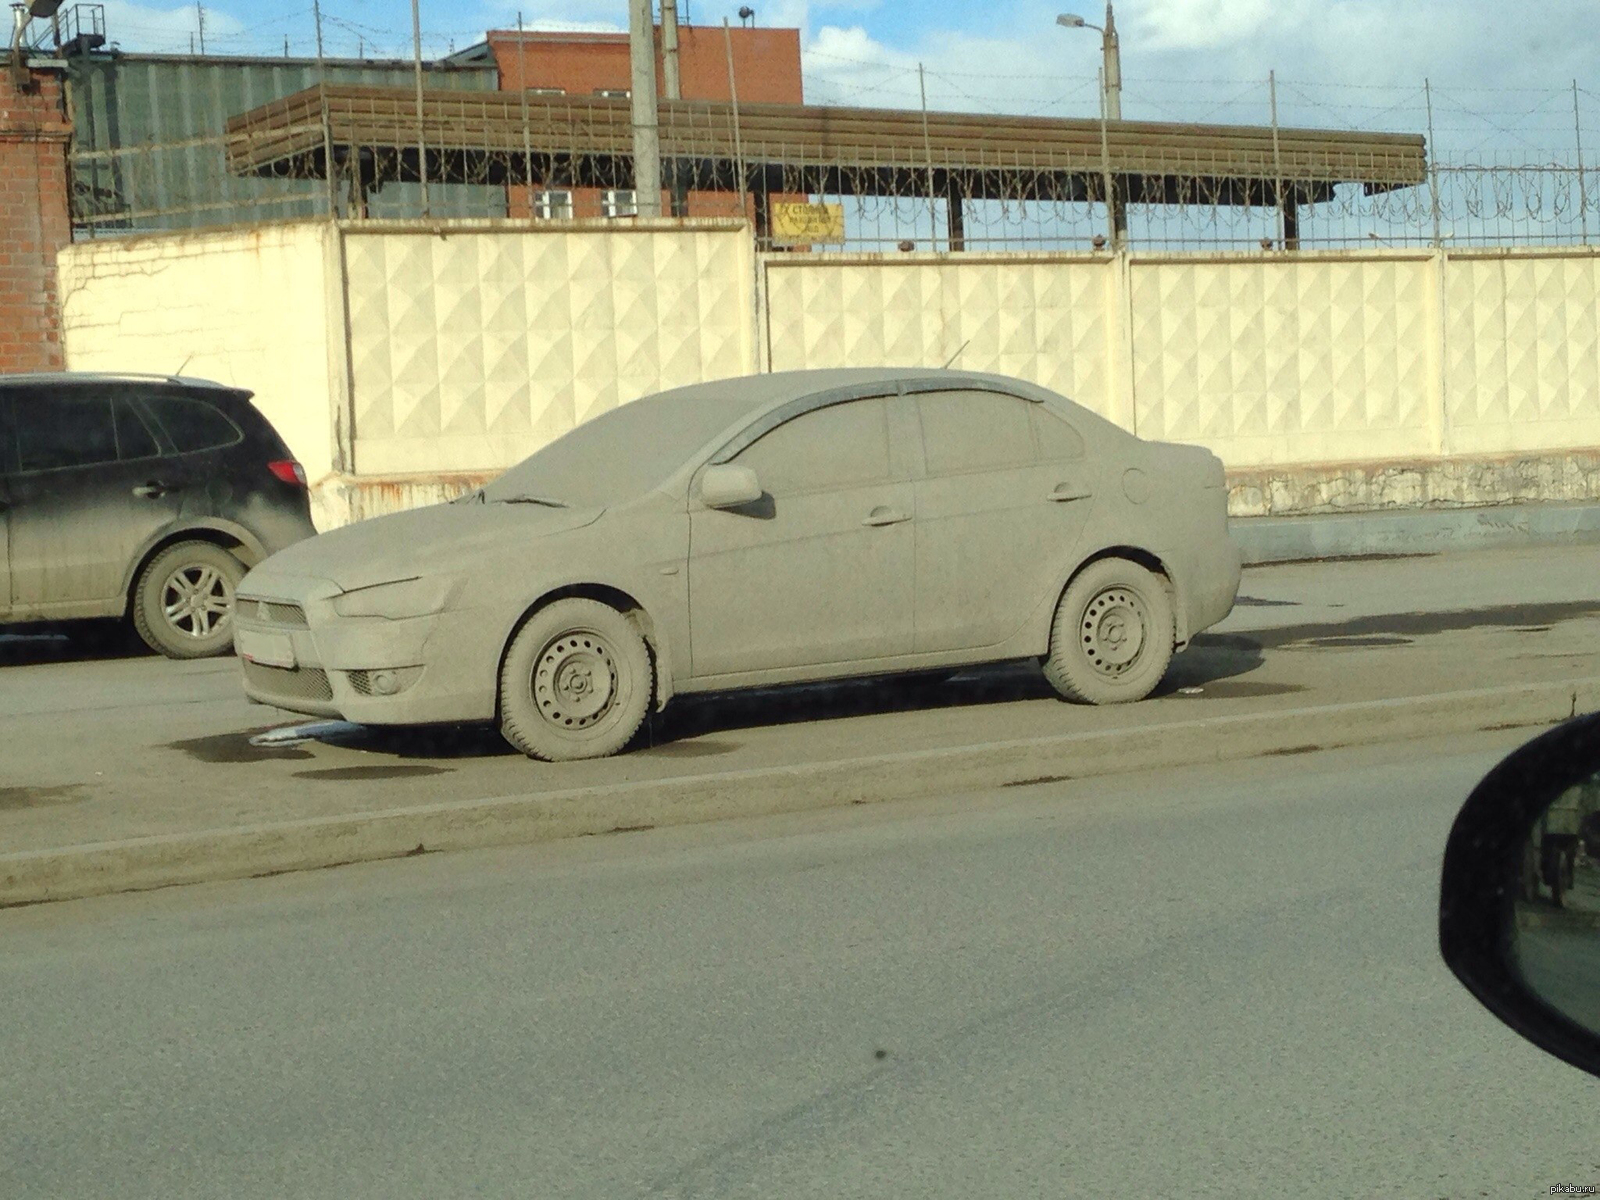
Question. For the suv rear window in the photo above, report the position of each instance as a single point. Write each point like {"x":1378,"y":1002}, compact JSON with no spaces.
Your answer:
{"x":55,"y":431}
{"x":193,"y":425}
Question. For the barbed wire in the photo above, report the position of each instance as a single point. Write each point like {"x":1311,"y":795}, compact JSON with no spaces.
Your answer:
{"x":1499,"y":173}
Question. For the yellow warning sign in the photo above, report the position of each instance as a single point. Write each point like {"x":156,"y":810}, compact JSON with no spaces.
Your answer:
{"x":807,"y":224}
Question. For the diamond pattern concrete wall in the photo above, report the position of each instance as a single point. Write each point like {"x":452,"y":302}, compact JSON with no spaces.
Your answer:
{"x":471,"y":346}
{"x":1051,"y":321}
{"x":1285,"y":361}
{"x":472,"y":350}
{"x":1522,"y":352}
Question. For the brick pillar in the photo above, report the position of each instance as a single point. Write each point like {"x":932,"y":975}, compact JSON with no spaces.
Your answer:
{"x":35,"y":221}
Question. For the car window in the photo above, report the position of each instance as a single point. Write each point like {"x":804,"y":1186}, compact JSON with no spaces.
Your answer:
{"x":134,"y":439}
{"x":1056,"y":439}
{"x":974,"y":431}
{"x":55,"y":431}
{"x":193,"y":424}
{"x":838,"y":446}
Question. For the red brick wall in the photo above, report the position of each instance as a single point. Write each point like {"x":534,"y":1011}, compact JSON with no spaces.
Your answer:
{"x":35,"y":221}
{"x":766,"y":67}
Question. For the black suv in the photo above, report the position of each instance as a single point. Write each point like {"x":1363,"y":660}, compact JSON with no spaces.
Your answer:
{"x":139,"y":497}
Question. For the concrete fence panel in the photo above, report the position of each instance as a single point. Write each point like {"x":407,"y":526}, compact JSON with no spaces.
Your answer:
{"x":472,"y":347}
{"x":1522,"y":351}
{"x":1290,"y":360}
{"x":404,"y":363}
{"x":1049,"y":319}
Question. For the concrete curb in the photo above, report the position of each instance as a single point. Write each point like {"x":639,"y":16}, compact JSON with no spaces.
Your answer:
{"x":1412,"y":531}
{"x":218,"y":854}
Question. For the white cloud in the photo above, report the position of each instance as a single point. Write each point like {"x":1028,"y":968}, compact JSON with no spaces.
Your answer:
{"x":168,"y":28}
{"x":1189,"y":25}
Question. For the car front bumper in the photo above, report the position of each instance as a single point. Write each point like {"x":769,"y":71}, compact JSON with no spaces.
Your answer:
{"x":298,"y":654}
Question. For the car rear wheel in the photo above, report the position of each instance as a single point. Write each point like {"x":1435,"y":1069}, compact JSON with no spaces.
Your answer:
{"x":1113,"y":635}
{"x":183,"y":602}
{"x":577,"y":683}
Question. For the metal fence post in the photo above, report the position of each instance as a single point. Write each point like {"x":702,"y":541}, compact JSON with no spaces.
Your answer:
{"x":527,"y":148}
{"x":1105,"y":172}
{"x":327,"y":131}
{"x":422,"y":147}
{"x":1583,"y":192}
{"x":1277,"y":164}
{"x":927,"y":156}
{"x":1433,"y":164}
{"x":738,"y":145}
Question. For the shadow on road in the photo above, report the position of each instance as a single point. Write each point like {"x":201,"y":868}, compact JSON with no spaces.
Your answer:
{"x":1213,"y":666}
{"x":77,"y":641}
{"x":1212,"y":663}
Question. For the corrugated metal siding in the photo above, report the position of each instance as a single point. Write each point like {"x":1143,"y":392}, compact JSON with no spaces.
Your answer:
{"x":172,"y":110}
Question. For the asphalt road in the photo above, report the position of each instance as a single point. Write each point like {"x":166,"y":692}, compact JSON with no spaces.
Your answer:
{"x":1220,"y":981}
{"x":100,"y":749}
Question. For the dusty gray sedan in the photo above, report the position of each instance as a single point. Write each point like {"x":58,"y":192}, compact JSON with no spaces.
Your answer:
{"x":749,"y":532}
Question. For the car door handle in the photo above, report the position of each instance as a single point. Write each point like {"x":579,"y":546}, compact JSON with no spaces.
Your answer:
{"x":155,"y":489}
{"x":883,"y":515}
{"x":1068,"y":491}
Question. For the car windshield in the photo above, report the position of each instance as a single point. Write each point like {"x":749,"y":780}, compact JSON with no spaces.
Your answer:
{"x":626,"y":452}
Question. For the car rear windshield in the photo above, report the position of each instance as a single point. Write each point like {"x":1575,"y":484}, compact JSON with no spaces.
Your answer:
{"x":193,"y":425}
{"x":626,"y":452}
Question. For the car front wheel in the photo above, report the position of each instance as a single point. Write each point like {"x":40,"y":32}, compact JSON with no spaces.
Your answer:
{"x":577,"y":683}
{"x":1113,"y":634}
{"x":183,"y":602}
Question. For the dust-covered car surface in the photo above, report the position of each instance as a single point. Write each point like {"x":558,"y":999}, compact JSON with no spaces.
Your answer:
{"x":139,"y":497}
{"x":749,"y":532}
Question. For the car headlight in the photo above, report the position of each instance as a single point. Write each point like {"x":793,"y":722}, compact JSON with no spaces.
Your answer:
{"x":397,"y":600}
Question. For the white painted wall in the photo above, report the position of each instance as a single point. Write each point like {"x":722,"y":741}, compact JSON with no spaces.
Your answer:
{"x":256,"y":309}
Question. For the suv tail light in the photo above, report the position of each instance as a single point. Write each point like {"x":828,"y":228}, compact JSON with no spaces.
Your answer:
{"x":289,"y":471}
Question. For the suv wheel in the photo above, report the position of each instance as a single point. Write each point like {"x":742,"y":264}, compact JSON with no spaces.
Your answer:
{"x":183,"y":602}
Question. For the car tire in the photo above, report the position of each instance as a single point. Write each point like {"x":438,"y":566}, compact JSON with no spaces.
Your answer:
{"x":577,"y":682}
{"x":183,"y":601}
{"x":1113,"y":634}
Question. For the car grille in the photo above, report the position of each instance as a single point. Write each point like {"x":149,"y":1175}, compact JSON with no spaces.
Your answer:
{"x":292,"y":683}
{"x":272,"y":612}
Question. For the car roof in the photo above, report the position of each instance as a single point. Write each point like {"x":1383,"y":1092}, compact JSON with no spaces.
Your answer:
{"x":34,"y":379}
{"x":776,"y":389}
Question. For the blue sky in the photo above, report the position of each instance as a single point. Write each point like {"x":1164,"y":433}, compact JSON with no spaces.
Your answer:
{"x":1501,"y":76}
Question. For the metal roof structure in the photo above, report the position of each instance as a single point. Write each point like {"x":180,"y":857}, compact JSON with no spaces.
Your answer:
{"x":586,"y":141}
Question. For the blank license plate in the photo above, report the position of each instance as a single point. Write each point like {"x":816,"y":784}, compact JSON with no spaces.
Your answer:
{"x":268,"y":649}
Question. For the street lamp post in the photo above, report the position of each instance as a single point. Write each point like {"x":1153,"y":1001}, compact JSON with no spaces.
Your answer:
{"x":1110,"y":108}
{"x":1111,"y":47}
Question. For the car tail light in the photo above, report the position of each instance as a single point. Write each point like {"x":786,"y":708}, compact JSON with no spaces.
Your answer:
{"x":289,"y":471}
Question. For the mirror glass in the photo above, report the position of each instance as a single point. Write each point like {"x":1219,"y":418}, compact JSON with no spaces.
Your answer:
{"x":1556,"y":928}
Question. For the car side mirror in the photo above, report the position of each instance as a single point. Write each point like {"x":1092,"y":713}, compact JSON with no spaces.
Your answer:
{"x":1519,"y":905}
{"x":728,"y":485}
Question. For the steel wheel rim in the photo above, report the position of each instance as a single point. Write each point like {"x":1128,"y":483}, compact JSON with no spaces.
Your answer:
{"x":575,"y":680}
{"x":1114,"y":630}
{"x":197,"y":601}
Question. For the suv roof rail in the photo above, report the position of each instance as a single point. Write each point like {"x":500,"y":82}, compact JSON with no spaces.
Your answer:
{"x":38,"y":377}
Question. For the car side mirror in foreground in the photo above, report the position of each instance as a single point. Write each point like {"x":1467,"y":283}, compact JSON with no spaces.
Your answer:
{"x":727,"y":485}
{"x":1519,"y":906}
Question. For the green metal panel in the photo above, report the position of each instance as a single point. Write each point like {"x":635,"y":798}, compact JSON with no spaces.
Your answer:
{"x":148,"y":151}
